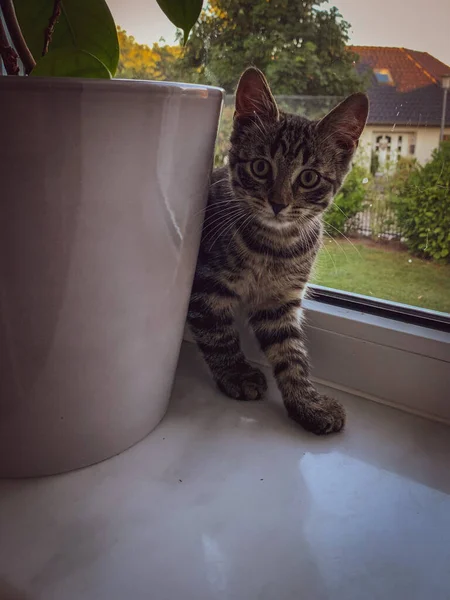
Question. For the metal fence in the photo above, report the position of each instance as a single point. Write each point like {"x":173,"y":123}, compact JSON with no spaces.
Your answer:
{"x":377,"y":222}
{"x":378,"y":219}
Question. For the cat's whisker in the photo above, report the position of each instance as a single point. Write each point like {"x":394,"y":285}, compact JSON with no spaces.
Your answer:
{"x":307,"y":237}
{"x":240,"y":228}
{"x":225,"y":230}
{"x":339,"y":208}
{"x":341,"y":248}
{"x":230,"y":199}
{"x":219,"y":226}
{"x":260,"y":130}
{"x":222,"y":211}
{"x":345,"y":237}
{"x":323,"y":246}
{"x":219,"y":181}
{"x":222,"y":222}
{"x":216,"y":216}
{"x":212,"y":207}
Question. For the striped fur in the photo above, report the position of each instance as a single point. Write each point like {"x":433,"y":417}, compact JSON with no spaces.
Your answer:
{"x":260,"y":237}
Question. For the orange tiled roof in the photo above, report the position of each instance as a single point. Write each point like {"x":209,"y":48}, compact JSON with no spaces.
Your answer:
{"x":415,"y":96}
{"x":410,"y":69}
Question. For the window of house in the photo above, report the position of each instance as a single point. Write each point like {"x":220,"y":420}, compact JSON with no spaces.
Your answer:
{"x":383,"y":76}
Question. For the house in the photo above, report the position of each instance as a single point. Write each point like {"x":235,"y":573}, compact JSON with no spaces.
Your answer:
{"x":406,"y":99}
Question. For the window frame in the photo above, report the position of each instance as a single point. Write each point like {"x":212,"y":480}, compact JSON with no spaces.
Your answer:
{"x":383,"y":72}
{"x":385,"y":358}
{"x":384,"y":308}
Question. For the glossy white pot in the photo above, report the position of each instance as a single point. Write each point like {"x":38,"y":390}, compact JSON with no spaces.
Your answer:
{"x":102,"y":186}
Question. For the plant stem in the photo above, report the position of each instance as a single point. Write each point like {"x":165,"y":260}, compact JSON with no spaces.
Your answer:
{"x":7,"y":53}
{"x":15,"y":32}
{"x":51,"y":25}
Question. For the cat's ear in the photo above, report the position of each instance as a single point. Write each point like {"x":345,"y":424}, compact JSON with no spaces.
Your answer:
{"x":253,"y":97}
{"x":346,"y":122}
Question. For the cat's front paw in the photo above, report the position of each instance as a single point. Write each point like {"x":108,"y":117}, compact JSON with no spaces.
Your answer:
{"x":244,"y":382}
{"x":319,"y":414}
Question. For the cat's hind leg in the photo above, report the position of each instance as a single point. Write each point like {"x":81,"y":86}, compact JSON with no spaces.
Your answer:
{"x":211,"y":320}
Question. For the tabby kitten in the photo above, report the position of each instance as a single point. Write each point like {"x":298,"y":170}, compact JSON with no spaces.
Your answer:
{"x":261,"y":235}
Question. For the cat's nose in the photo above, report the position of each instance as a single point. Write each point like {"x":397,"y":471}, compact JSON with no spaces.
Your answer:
{"x":276,"y":207}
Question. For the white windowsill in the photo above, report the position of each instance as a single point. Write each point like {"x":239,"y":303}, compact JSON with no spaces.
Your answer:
{"x":245,"y":503}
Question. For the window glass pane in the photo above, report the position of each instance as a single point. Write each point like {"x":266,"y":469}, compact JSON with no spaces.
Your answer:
{"x":387,"y":234}
{"x":383,"y":76}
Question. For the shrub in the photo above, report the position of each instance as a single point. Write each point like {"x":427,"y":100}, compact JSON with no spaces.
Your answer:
{"x":396,"y":180}
{"x":422,"y":203}
{"x":383,"y":218}
{"x":348,"y":202}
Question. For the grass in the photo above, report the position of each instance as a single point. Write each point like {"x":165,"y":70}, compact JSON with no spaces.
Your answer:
{"x":381,"y":271}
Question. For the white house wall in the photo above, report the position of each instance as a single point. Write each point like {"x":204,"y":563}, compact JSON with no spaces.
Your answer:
{"x":427,"y":139}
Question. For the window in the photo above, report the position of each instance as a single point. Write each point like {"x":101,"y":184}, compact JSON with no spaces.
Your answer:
{"x":383,"y":76}
{"x":381,"y":242}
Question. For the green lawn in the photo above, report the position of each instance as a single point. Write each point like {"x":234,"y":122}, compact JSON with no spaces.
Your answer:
{"x":380,"y":271}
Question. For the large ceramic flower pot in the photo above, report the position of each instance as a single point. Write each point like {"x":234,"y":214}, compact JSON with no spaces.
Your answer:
{"x":102,"y":186}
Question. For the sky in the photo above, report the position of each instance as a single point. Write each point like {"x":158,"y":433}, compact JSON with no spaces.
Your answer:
{"x":415,"y":24}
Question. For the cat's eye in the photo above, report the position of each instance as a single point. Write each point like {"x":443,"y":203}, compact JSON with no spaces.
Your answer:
{"x":309,"y":178}
{"x":260,"y":167}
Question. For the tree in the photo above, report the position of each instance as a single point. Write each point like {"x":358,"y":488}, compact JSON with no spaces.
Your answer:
{"x":299,"y":46}
{"x":138,"y":61}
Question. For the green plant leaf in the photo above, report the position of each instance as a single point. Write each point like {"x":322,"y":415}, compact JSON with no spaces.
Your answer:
{"x":70,"y":62}
{"x":182,"y":13}
{"x":86,"y":25}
